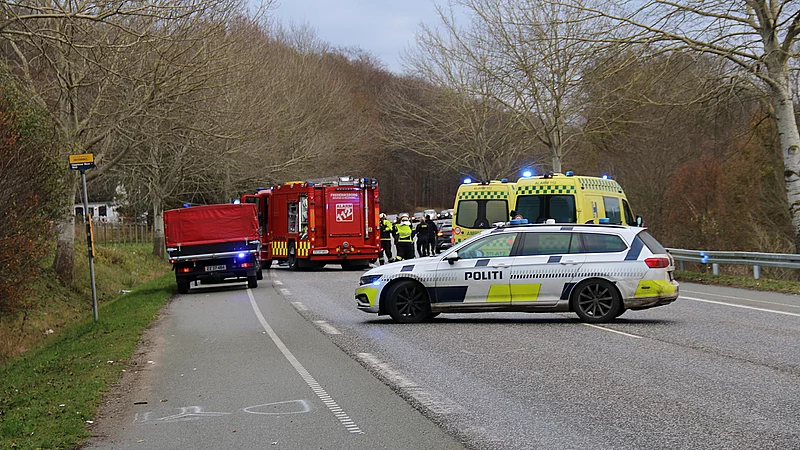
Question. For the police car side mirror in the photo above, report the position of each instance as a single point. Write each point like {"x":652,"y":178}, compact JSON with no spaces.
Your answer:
{"x":452,"y":257}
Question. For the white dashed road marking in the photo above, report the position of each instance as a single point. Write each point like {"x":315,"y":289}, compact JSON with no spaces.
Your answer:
{"x":333,"y":407}
{"x":326,"y":327}
{"x":300,"y":306}
{"x":286,"y":292}
{"x":613,"y":331}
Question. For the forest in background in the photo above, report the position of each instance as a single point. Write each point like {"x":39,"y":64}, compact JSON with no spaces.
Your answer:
{"x":201,"y":101}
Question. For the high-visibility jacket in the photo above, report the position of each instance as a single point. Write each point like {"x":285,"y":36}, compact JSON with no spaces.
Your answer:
{"x":387,"y":228}
{"x":404,"y":233}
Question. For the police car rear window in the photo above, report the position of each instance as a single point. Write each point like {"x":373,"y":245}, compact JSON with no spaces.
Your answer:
{"x":651,"y":243}
{"x":602,"y":243}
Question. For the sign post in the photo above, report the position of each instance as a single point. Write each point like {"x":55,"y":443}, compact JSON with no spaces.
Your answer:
{"x":84,"y":162}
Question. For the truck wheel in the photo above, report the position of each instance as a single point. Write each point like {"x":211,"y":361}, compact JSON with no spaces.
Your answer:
{"x":259,"y":275}
{"x":252,"y":281}
{"x":294,"y":264}
{"x":183,"y":286}
{"x":266,"y":264}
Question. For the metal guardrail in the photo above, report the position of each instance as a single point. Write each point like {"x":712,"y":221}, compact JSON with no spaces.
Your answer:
{"x":755,"y":259}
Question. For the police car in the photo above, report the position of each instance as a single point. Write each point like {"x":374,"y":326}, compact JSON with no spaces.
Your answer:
{"x":597,"y":271}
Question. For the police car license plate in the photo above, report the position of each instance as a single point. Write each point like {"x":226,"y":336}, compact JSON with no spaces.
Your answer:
{"x":213,"y":268}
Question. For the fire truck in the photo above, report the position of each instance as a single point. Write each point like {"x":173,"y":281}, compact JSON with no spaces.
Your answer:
{"x":308,"y":224}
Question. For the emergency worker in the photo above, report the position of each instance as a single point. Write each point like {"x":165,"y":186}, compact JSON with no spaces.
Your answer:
{"x":432,"y":230}
{"x":405,"y":239}
{"x":388,"y":230}
{"x":423,"y":235}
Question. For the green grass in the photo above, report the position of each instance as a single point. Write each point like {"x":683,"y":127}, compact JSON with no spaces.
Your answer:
{"x":761,"y":284}
{"x":48,"y":394}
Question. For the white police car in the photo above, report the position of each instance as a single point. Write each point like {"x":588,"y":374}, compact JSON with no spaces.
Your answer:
{"x":597,"y":271}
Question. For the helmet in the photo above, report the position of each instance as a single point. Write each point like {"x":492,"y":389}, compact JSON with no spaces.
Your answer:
{"x":383,"y":215}
{"x":404,"y":216}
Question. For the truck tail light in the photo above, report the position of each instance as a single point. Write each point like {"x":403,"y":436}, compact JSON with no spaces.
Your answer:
{"x":657,"y":263}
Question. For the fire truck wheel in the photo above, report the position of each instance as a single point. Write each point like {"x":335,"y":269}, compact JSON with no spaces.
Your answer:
{"x":252,"y":282}
{"x":266,"y":264}
{"x":183,"y":286}
{"x":294,"y":264}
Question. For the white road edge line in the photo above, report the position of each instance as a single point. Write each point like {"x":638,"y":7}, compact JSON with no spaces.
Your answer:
{"x":742,"y":298}
{"x":326,"y":327}
{"x":343,"y":418}
{"x":613,"y":331}
{"x":300,"y":306}
{"x":740,"y":306}
{"x":286,"y":292}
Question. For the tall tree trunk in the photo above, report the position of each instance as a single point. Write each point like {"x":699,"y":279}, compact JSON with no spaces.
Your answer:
{"x":64,"y":262}
{"x":790,"y":145}
{"x":158,"y":228}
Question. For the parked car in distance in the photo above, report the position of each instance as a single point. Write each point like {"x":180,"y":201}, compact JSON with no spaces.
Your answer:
{"x":430,"y":213}
{"x":444,"y":235}
{"x":418,"y":217}
{"x":445,"y":214}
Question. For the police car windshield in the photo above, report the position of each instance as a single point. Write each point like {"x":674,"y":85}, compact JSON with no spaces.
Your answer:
{"x":481,"y":213}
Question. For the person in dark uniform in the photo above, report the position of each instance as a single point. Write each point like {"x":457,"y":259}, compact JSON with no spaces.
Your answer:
{"x":432,"y":230}
{"x":405,"y":239}
{"x":423,"y":235}
{"x":388,"y":231}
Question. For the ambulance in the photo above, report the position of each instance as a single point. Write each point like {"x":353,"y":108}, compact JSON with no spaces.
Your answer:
{"x":480,"y":205}
{"x":567,"y":198}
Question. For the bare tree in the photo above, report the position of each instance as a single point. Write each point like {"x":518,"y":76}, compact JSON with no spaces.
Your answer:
{"x":758,"y":37}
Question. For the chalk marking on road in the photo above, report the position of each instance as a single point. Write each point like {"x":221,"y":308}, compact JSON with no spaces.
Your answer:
{"x":278,"y":283}
{"x":741,"y":298}
{"x":304,"y":408}
{"x":191,"y":413}
{"x":326,"y":327}
{"x":310,"y":381}
{"x":300,"y":306}
{"x":613,"y":331}
{"x":753,"y":308}
{"x":428,"y":400}
{"x":286,"y":292}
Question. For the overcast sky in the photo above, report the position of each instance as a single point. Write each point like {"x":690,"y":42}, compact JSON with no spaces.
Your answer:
{"x":384,"y":28}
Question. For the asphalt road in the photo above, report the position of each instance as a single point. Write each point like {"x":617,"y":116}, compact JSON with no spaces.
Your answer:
{"x":719,"y":368}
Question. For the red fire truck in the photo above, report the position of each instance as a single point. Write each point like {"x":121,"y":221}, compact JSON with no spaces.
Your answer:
{"x":312,"y":223}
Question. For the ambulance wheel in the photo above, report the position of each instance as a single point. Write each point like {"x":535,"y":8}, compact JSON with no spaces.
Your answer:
{"x":596,"y":301}
{"x":260,"y":274}
{"x":407,"y":302}
{"x":294,"y":264}
{"x":252,"y":281}
{"x":183,"y":286}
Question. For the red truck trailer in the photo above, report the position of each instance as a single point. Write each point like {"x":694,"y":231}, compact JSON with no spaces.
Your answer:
{"x":212,"y":243}
{"x":312,"y":223}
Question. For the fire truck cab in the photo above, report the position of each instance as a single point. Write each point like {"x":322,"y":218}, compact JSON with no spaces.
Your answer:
{"x":309,"y":224}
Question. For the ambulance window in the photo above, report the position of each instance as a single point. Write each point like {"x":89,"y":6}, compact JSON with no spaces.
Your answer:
{"x":562,"y":208}
{"x":530,"y":207}
{"x":549,"y":244}
{"x":467,"y":213}
{"x":539,"y":208}
{"x":613,"y":213}
{"x":493,"y":246}
{"x":629,"y":219}
{"x":603,"y":243}
{"x":292,"y":216}
{"x":496,"y":211}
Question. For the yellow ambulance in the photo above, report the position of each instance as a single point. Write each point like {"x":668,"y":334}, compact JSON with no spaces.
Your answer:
{"x":479,"y":205}
{"x":568,"y":198}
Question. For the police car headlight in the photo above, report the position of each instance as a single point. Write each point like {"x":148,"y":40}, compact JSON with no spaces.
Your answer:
{"x":371,"y":279}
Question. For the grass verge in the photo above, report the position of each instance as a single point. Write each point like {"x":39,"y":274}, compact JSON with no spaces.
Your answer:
{"x":48,"y":394}
{"x":761,"y":284}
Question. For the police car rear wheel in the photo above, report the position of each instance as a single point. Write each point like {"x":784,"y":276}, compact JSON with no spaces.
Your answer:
{"x":407,"y":302}
{"x":596,"y":301}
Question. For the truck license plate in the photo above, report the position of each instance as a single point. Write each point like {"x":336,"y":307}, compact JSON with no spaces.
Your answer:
{"x":214,"y":268}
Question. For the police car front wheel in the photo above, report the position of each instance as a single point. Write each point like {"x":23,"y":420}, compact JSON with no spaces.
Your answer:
{"x":596,"y":301}
{"x":407,"y":302}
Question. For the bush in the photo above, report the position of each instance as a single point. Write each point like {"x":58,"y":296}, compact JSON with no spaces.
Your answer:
{"x":31,"y":190}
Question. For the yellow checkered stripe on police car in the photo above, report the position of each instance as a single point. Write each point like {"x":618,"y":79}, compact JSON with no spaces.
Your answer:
{"x":303,"y":248}
{"x":599,"y":184}
{"x":538,"y":189}
{"x":279,"y":249}
{"x":483,"y":195}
